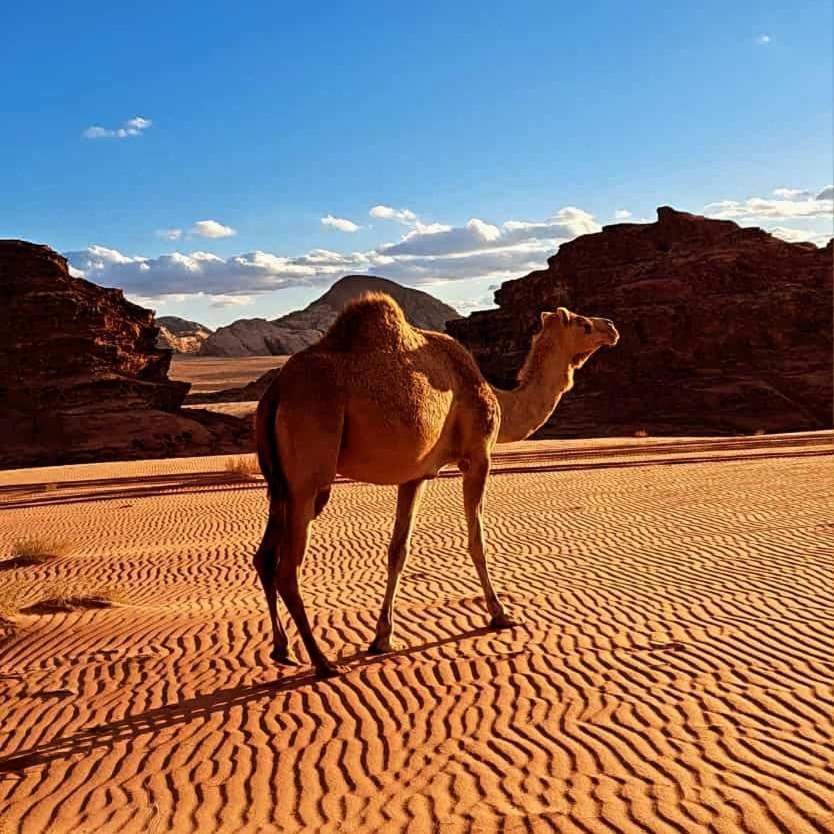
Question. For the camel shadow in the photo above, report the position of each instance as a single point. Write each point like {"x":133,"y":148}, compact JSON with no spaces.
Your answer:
{"x":107,"y":489}
{"x":199,"y":707}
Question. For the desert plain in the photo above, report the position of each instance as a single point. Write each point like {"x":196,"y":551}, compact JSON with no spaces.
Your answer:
{"x":672,"y":672}
{"x":215,"y":373}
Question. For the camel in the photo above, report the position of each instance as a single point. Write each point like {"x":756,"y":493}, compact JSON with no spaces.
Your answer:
{"x":380,"y":401}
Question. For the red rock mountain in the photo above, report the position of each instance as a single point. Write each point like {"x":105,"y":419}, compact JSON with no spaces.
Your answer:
{"x":723,"y":330}
{"x":81,"y":378}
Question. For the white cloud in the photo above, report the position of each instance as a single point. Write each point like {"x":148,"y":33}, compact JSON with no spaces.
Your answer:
{"x":800,"y":204}
{"x":340,"y":223}
{"x":404,"y":216}
{"x":791,"y":193}
{"x":479,"y":252}
{"x":196,"y":272}
{"x":132,"y":127}
{"x":426,"y":253}
{"x":476,"y":235}
{"x":622,"y":214}
{"x":232,"y":300}
{"x":796,"y":205}
{"x":212,"y":229}
{"x":801,"y":235}
{"x":763,"y":40}
{"x":138,"y":123}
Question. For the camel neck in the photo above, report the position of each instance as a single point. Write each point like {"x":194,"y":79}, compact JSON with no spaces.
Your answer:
{"x":542,"y":381}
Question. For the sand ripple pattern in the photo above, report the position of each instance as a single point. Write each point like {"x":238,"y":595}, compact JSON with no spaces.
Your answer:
{"x":673,"y":672}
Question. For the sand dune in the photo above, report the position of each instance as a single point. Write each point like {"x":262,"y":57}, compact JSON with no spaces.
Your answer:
{"x":673,"y":672}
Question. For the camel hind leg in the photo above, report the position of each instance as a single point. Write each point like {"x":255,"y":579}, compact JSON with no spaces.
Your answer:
{"x":300,"y":514}
{"x":266,"y":559}
{"x":309,"y":425}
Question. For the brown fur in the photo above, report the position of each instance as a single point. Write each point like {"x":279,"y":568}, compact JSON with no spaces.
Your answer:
{"x":561,"y":346}
{"x":265,"y":442}
{"x":384,"y":402}
{"x":374,"y":321}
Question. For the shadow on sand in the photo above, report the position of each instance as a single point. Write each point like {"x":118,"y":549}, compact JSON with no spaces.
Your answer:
{"x":199,"y":707}
{"x":123,"y":489}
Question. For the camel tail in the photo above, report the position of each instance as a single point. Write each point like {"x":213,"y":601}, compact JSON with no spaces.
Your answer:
{"x":269,"y":457}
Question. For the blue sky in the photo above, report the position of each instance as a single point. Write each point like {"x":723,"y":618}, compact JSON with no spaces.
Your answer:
{"x":484,"y":135}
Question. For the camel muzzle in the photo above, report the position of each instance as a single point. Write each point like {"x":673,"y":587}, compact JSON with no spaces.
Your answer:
{"x":607,"y":329}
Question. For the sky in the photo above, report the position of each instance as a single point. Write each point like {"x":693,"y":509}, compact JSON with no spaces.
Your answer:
{"x":225,"y":161}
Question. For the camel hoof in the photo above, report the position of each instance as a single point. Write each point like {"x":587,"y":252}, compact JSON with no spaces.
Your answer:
{"x":503,"y":622}
{"x":324,"y":673}
{"x":283,"y":657}
{"x":379,"y":647}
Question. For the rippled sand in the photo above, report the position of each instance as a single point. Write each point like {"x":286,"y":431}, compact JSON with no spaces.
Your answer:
{"x":673,"y":672}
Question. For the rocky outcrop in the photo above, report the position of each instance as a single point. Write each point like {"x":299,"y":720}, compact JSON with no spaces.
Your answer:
{"x":723,"y":330}
{"x":256,"y":337}
{"x":81,"y":378}
{"x":181,"y":335}
{"x":295,"y":331}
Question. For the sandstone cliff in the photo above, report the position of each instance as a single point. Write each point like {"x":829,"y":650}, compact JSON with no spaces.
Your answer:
{"x":181,"y":335}
{"x":299,"y":329}
{"x":723,"y":330}
{"x":81,"y":378}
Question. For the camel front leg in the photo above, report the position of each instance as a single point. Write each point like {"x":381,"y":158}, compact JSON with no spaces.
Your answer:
{"x":474,"y":486}
{"x":408,"y":500}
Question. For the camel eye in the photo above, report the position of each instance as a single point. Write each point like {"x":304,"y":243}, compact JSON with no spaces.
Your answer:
{"x":587,"y":326}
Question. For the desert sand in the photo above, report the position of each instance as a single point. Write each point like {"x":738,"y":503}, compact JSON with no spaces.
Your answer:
{"x":672,"y":674}
{"x":214,"y":373}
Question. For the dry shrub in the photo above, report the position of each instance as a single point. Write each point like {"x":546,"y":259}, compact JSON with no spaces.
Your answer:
{"x":34,"y":551}
{"x":641,"y":433}
{"x":61,"y":597}
{"x":53,"y":597}
{"x":244,"y":467}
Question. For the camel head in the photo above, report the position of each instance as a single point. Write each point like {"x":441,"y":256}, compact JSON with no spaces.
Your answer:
{"x":578,"y":336}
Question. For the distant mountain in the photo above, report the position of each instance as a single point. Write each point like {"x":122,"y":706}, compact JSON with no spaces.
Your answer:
{"x":297,"y":330}
{"x":181,"y":335}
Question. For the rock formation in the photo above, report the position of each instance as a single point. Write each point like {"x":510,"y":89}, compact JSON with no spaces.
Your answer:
{"x":297,"y":330}
{"x":181,"y":335}
{"x":256,"y":337}
{"x":723,"y":330}
{"x":81,"y":378}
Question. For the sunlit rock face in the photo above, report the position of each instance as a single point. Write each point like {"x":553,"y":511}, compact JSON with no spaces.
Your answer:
{"x":181,"y":335}
{"x":81,"y":377}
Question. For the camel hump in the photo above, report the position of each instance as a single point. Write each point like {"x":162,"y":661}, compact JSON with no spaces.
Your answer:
{"x":373,"y":321}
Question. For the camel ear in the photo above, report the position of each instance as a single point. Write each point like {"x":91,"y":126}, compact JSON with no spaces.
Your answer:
{"x":563,"y":314}
{"x":545,"y":316}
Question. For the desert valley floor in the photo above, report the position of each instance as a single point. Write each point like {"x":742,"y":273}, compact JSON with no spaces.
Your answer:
{"x":672,"y":674}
